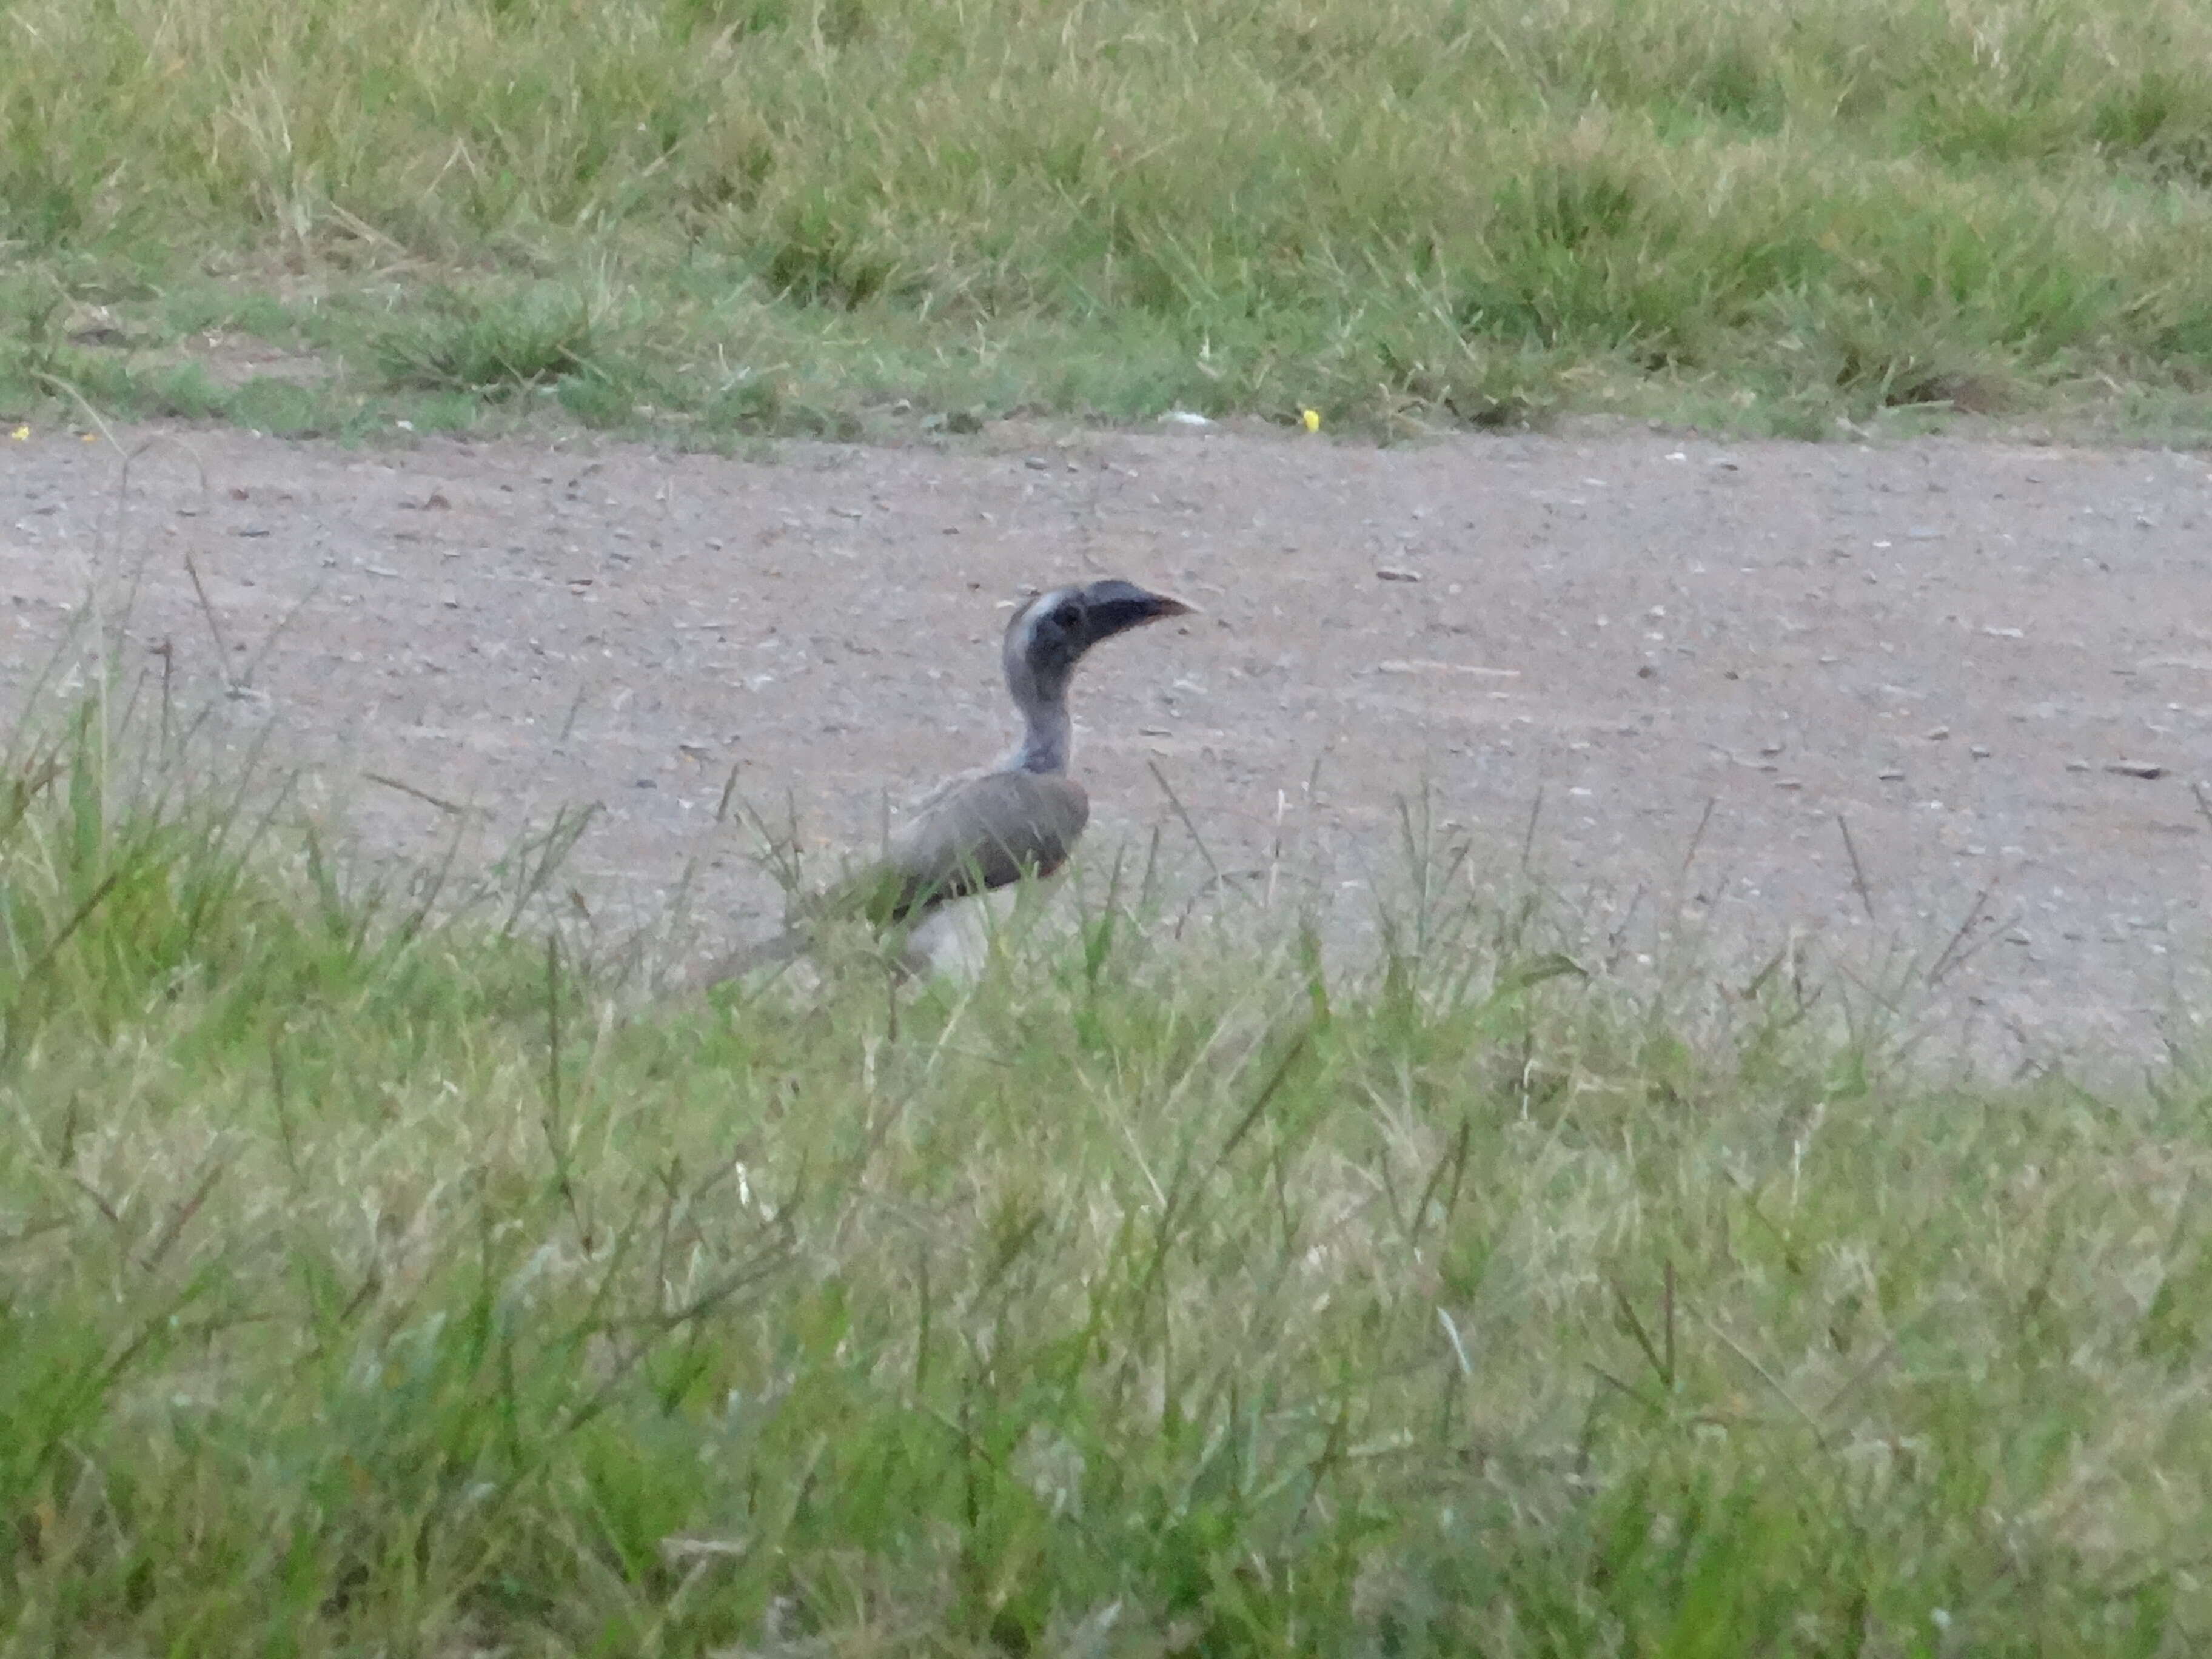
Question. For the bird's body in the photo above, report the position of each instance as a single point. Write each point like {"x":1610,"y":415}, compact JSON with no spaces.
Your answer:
{"x":983,"y":831}
{"x":1021,"y":817}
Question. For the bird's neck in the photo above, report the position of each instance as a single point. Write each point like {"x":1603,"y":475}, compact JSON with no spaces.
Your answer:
{"x":1047,"y":736}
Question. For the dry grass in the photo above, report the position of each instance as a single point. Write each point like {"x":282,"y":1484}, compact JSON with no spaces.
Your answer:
{"x":793,"y":214}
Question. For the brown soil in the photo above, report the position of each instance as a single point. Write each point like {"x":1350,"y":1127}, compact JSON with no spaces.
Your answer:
{"x":1953,"y":647}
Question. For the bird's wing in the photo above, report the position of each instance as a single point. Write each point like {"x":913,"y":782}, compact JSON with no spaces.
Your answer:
{"x":981,"y":832}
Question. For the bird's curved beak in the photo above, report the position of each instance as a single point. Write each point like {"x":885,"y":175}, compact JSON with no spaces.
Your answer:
{"x":1114,"y":607}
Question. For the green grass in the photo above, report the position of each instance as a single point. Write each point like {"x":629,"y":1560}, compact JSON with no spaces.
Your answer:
{"x":724,"y":216}
{"x":371,"y":1284}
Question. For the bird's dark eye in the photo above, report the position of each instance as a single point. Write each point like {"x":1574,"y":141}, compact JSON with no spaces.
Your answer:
{"x":1067,"y":616}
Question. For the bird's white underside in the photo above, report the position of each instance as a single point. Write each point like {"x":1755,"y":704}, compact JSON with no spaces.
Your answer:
{"x":954,"y":940}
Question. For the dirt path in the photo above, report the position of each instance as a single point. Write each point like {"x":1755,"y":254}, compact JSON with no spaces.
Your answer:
{"x":1950,"y":647}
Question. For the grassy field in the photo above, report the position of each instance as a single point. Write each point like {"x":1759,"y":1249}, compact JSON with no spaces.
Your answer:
{"x":373,"y":1284}
{"x":381,"y":1272}
{"x":716,"y":217}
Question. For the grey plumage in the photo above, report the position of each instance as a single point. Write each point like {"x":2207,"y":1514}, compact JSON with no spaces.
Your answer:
{"x":983,"y":831}
{"x":1022,"y":816}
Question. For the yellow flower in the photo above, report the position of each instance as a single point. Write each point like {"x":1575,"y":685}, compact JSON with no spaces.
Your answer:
{"x":21,"y":434}
{"x":1311,"y":418}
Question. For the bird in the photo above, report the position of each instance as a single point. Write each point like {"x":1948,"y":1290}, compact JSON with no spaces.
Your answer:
{"x":1021,"y":816}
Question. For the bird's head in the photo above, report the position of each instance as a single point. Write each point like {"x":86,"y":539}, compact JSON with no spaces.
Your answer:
{"x":1048,"y":635}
